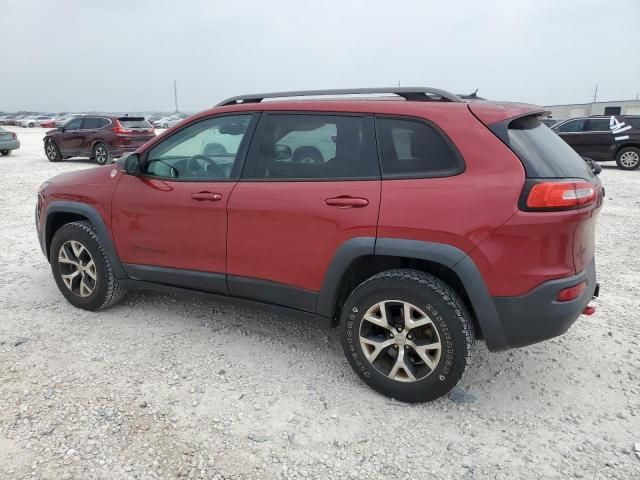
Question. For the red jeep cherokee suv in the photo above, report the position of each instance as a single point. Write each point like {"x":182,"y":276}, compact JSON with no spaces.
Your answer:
{"x":99,"y":137}
{"x":415,"y":224}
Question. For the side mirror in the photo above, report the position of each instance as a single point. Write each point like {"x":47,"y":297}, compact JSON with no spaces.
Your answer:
{"x":131,"y":164}
{"x":61,"y":129}
{"x":283,"y":152}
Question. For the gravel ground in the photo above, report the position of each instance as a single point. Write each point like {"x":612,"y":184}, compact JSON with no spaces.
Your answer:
{"x":167,"y":387}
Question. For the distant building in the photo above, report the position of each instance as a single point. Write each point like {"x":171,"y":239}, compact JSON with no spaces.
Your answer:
{"x":622,"y":107}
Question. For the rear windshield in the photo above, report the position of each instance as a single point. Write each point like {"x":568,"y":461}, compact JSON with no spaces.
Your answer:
{"x":134,"y":122}
{"x":543,"y":153}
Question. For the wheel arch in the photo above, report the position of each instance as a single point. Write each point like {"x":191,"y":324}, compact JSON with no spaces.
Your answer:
{"x":626,"y":145}
{"x":59,"y":213}
{"x":361,"y":258}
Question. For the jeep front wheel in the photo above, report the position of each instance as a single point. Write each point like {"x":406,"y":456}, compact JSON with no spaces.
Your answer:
{"x":407,"y":335}
{"x":81,"y":268}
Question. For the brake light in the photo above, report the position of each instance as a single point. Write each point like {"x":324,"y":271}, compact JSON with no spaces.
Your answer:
{"x":561,"y":195}
{"x":571,"y":293}
{"x":119,"y":130}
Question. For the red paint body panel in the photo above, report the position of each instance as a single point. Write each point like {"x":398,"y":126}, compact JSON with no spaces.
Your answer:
{"x":157,"y":222}
{"x":286,"y":233}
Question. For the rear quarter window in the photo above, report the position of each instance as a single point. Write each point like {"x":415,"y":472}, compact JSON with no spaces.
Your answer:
{"x":543,"y":153}
{"x":411,"y":148}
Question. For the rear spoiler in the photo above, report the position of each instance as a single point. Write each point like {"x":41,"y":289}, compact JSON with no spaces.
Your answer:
{"x":497,"y":116}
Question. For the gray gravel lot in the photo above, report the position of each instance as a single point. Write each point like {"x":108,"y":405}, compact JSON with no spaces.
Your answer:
{"x":166,"y":387}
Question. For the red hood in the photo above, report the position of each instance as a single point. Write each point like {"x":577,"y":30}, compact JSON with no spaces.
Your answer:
{"x":91,"y":176}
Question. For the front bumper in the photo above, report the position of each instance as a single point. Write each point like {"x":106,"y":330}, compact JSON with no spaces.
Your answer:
{"x":9,"y":144}
{"x":537,"y":315}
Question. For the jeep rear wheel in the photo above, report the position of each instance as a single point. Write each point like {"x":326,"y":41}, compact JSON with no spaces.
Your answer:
{"x":81,"y":268}
{"x":628,"y":158}
{"x":407,"y":335}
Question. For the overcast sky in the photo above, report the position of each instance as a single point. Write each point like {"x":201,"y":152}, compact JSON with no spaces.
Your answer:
{"x":120,"y":55}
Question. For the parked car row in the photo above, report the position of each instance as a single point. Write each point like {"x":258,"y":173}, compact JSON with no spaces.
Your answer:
{"x":168,"y":122}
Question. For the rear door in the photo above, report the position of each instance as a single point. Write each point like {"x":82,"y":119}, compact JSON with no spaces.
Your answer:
{"x":311,"y":183}
{"x":597,"y":139}
{"x":571,"y":132}
{"x":89,"y":129}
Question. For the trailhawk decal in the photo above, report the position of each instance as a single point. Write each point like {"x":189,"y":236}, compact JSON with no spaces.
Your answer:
{"x":617,"y":127}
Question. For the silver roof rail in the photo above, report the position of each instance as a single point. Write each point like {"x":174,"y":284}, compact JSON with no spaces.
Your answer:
{"x":416,"y":94}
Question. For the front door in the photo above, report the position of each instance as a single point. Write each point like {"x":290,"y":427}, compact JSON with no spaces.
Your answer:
{"x":170,"y":222}
{"x":571,"y":132}
{"x":70,"y":140}
{"x":311,"y":183}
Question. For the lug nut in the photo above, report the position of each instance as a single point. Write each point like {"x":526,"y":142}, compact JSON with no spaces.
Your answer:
{"x":406,"y":347}
{"x":409,"y":337}
{"x":391,"y":335}
{"x":399,"y":329}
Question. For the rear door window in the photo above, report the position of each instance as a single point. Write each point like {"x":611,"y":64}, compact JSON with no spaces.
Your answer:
{"x":597,"y":125}
{"x":413,"y":148}
{"x":543,"y":153}
{"x":89,"y":123}
{"x":314,"y":147}
{"x":103,"y":122}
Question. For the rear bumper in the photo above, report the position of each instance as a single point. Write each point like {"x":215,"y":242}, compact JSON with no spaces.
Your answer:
{"x":9,"y":144}
{"x":537,"y":316}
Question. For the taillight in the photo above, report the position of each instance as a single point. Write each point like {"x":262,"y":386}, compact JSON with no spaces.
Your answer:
{"x":13,"y":135}
{"x":118,"y":129}
{"x":560,"y":195}
{"x":571,"y":293}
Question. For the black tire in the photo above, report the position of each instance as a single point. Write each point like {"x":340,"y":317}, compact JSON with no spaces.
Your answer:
{"x":628,"y":158}
{"x":307,"y":155}
{"x":101,"y":154}
{"x":106,"y":289}
{"x":5,"y":152}
{"x":51,"y":151}
{"x":451,"y":325}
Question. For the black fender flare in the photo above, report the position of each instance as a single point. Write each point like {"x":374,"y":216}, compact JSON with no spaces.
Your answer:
{"x":91,"y":214}
{"x":453,"y":258}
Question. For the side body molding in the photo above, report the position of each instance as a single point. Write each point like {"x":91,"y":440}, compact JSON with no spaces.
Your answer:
{"x":98,"y":224}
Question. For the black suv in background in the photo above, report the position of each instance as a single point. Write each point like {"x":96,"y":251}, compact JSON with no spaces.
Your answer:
{"x":99,"y":137}
{"x":604,"y":138}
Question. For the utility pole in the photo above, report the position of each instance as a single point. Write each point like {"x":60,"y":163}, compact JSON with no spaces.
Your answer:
{"x":175,"y":95}
{"x":595,"y":94}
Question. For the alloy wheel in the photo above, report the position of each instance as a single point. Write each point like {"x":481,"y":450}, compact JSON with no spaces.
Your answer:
{"x":629,"y":159}
{"x":400,"y":340}
{"x":50,"y":150}
{"x":101,"y":155}
{"x":77,"y":268}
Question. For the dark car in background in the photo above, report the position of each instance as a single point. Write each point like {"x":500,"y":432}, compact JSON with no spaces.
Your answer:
{"x":604,"y":138}
{"x":99,"y":137}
